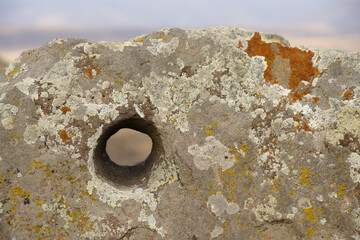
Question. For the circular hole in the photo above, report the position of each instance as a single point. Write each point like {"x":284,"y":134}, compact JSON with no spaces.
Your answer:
{"x":128,"y":147}
{"x":119,"y":157}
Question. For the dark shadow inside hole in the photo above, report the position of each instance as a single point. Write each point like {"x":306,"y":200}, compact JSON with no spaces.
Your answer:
{"x":127,"y":175}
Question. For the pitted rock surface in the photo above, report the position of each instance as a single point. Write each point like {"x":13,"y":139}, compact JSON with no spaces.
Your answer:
{"x":253,"y":139}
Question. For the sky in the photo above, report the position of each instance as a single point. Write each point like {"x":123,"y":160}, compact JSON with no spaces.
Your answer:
{"x":27,"y":24}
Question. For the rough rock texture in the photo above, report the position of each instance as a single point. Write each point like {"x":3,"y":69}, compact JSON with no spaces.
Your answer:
{"x":253,"y":139}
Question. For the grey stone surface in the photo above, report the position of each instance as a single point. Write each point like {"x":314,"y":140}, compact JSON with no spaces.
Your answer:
{"x":253,"y":139}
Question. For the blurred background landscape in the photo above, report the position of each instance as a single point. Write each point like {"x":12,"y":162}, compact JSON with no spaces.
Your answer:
{"x":27,"y":24}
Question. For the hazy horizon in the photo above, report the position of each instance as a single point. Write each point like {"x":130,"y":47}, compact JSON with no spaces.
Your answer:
{"x":320,"y":24}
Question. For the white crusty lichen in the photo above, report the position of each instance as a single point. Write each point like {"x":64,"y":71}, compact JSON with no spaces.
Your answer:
{"x":324,"y":57}
{"x":31,"y":134}
{"x":293,"y":212}
{"x":212,"y":153}
{"x":24,"y":85}
{"x":8,"y":113}
{"x":354,"y":161}
{"x":219,"y":205}
{"x":159,"y":47}
{"x":217,"y":231}
{"x":151,"y":222}
{"x":263,"y":211}
{"x":347,"y":121}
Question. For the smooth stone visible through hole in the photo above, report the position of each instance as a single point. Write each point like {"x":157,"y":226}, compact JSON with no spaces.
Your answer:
{"x":128,"y":147}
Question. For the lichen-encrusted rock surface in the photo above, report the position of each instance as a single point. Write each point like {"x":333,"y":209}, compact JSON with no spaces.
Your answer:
{"x":253,"y":139}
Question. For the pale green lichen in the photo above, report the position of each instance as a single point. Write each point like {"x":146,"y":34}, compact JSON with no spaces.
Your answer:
{"x":347,"y":121}
{"x":217,"y":231}
{"x":8,"y":113}
{"x":263,"y":211}
{"x":291,"y":215}
{"x":213,"y":152}
{"x":31,"y":134}
{"x":159,"y":47}
{"x":24,"y":85}
{"x":219,"y":205}
{"x":354,"y":160}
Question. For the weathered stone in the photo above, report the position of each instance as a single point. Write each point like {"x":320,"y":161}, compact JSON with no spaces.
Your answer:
{"x":253,"y":139}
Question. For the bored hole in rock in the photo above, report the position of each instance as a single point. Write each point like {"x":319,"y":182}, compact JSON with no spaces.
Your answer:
{"x":128,"y":147}
{"x":126,"y":152}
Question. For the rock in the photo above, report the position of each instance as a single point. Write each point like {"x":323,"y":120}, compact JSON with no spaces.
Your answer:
{"x":252,"y":139}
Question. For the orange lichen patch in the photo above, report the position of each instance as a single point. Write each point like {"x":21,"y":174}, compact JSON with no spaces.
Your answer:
{"x":88,"y":65}
{"x":64,"y":136}
{"x":88,"y":71}
{"x":65,"y":109}
{"x":316,"y":99}
{"x":299,"y":62}
{"x":347,"y":95}
{"x":302,"y":124}
{"x":240,"y":45}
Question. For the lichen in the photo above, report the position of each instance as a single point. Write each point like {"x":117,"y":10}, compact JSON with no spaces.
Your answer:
{"x":213,"y":152}
{"x":281,"y":59}
{"x":219,"y":205}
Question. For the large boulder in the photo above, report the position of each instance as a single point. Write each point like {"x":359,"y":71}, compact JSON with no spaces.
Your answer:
{"x":252,"y":139}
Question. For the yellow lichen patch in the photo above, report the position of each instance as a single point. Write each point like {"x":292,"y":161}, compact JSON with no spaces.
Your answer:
{"x":309,"y":232}
{"x":78,"y":218}
{"x":163,"y":37}
{"x":244,"y":148}
{"x":274,"y":187}
{"x":310,"y":215}
{"x":209,"y":132}
{"x":65,"y":109}
{"x":17,"y":191}
{"x":38,"y":165}
{"x":139,"y":40}
{"x":14,"y":136}
{"x":64,"y":136}
{"x":340,"y":192}
{"x":13,"y":72}
{"x":38,"y":203}
{"x":215,"y":124}
{"x":279,"y":59}
{"x":305,"y":176}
